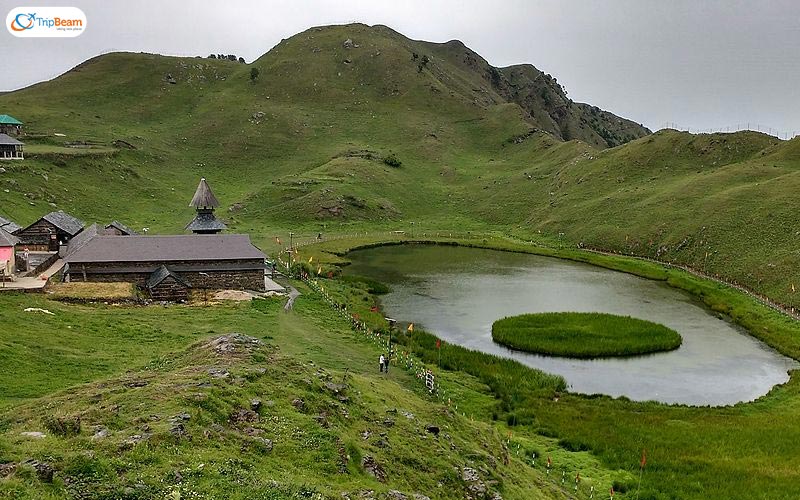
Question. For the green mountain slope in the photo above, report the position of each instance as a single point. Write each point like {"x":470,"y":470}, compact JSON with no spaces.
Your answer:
{"x":245,"y":401}
{"x":302,"y":147}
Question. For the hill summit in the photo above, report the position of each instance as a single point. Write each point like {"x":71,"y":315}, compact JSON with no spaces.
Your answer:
{"x":385,"y":64}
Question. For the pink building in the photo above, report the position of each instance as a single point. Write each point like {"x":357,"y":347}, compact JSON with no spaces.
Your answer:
{"x":7,"y":243}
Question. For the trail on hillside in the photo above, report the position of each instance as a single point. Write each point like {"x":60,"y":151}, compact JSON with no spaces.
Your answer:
{"x":293,"y":294}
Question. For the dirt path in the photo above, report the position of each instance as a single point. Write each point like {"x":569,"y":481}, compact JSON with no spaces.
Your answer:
{"x":293,"y":294}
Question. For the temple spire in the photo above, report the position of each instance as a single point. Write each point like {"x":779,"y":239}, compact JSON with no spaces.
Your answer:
{"x":203,"y":197}
{"x":204,"y":201}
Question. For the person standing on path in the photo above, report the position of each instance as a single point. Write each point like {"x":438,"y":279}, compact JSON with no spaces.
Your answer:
{"x":381,"y":362}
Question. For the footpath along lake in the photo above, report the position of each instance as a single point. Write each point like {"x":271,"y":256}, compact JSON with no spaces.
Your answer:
{"x":457,"y":293}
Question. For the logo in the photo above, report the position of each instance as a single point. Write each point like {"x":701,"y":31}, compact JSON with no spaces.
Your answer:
{"x":17,"y":25}
{"x":30,"y":22}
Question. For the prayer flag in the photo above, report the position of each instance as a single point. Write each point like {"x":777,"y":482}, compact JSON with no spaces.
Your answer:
{"x":310,"y":259}
{"x":411,"y":327}
{"x":644,"y":459}
{"x":438,"y":344}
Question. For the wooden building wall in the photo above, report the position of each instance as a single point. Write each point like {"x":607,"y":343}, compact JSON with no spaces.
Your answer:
{"x":233,"y":275}
{"x":169,"y":290}
{"x":38,"y":234}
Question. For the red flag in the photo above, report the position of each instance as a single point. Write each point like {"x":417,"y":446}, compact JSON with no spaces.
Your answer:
{"x":644,"y":459}
{"x":549,"y":462}
{"x":612,"y":492}
{"x":438,"y":344}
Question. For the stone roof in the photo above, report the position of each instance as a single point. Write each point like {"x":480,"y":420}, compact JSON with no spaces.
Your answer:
{"x":65,"y":222}
{"x":186,"y":247}
{"x":81,"y":239}
{"x":203,"y":197}
{"x":205,"y":221}
{"x":7,"y":140}
{"x":161,"y":274}
{"x":7,"y":239}
{"x":9,"y":225}
{"x":9,"y":120}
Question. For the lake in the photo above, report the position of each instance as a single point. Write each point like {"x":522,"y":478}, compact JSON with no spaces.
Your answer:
{"x":457,"y":293}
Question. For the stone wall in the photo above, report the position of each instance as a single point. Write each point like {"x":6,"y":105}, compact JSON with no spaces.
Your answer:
{"x":216,"y":275}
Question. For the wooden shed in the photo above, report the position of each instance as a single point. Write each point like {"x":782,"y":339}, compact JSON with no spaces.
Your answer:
{"x":52,"y":230}
{"x":166,"y":286}
{"x":116,"y":228}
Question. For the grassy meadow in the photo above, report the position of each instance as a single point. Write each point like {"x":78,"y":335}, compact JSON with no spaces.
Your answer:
{"x":141,"y":403}
{"x":583,"y":335}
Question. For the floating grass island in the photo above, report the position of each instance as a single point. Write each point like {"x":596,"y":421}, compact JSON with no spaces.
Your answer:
{"x":583,"y":335}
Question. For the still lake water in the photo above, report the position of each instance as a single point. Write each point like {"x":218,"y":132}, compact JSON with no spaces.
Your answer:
{"x":457,"y":293}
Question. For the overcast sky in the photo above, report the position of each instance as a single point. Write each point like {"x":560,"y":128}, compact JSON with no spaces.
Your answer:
{"x":699,"y":63}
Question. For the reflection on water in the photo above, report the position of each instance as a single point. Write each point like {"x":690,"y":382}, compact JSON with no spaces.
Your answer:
{"x":457,"y":293}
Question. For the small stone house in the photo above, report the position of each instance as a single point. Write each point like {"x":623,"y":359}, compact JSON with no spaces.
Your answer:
{"x":116,"y":228}
{"x":165,"y":286}
{"x":7,"y":254}
{"x":51,"y":231}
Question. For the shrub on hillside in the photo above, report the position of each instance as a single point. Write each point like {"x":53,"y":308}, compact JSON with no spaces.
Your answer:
{"x":63,"y":426}
{"x":392,"y":160}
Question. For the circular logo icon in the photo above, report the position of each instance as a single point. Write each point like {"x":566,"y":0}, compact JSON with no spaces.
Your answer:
{"x":22,"y":22}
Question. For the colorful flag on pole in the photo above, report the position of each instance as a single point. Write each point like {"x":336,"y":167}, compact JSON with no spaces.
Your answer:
{"x":792,"y":287}
{"x":411,"y":327}
{"x":549,"y":462}
{"x":319,"y":270}
{"x":644,"y":459}
{"x":612,"y":493}
{"x":310,"y":259}
{"x":438,"y":344}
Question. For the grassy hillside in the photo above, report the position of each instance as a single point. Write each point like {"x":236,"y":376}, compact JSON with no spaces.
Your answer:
{"x":164,"y":409}
{"x":302,"y":148}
